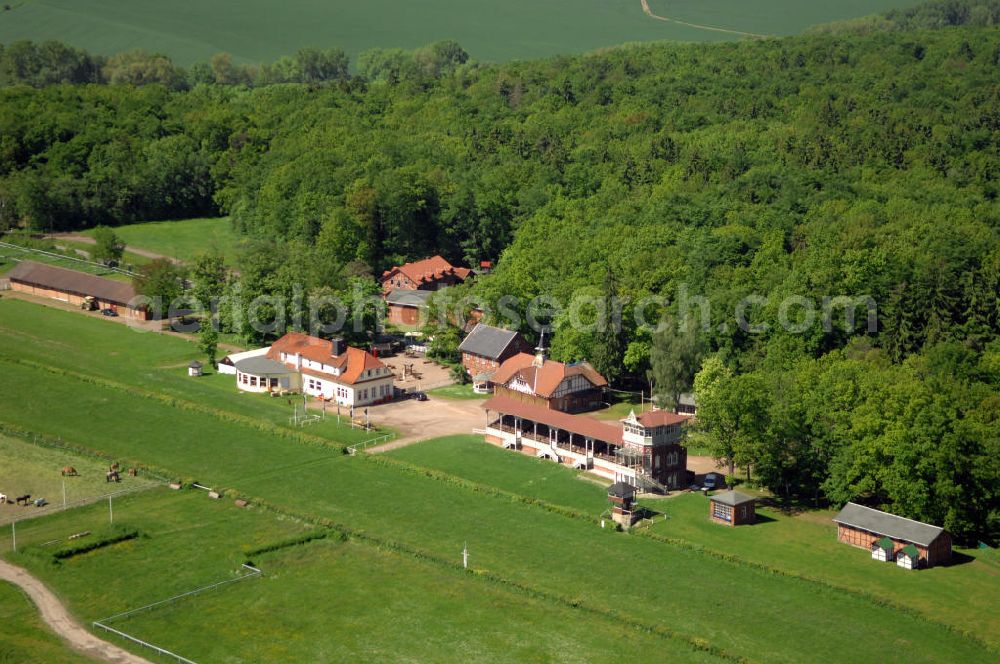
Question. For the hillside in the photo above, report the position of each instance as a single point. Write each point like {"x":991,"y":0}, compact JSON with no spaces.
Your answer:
{"x":765,"y":173}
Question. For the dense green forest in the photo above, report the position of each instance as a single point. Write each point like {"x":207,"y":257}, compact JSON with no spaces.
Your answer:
{"x":859,"y":162}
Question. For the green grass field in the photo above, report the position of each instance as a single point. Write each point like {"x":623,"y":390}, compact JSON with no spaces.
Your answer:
{"x":183,"y":239}
{"x":255,"y":31}
{"x":595,"y":580}
{"x":324,"y":601}
{"x":458,"y":392}
{"x":474,"y":459}
{"x":25,"y":638}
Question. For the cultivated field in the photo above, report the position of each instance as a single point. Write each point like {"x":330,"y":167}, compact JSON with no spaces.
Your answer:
{"x":257,"y":31}
{"x":532,"y":530}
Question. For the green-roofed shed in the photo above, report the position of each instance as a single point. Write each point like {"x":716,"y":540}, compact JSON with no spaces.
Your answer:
{"x":884,"y":550}
{"x":908,"y":557}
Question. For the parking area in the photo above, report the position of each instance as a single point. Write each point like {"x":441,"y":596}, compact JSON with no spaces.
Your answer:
{"x":420,"y":420}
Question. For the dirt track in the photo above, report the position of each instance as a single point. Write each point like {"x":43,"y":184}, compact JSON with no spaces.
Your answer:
{"x":61,"y":622}
{"x":86,"y":239}
{"x":649,"y":12}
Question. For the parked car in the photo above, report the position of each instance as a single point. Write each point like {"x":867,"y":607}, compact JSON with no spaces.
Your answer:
{"x":109,"y":312}
{"x":714,"y":481}
{"x":420,"y":396}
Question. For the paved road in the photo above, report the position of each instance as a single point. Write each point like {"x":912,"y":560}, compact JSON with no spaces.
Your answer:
{"x":61,"y":622}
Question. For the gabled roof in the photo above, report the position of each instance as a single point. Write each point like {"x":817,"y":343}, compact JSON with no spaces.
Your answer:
{"x":352,"y":363}
{"x":578,"y":424}
{"x":428,"y":270}
{"x":733,"y":498}
{"x":546,"y":378}
{"x":313,"y":348}
{"x":487,"y":341}
{"x":402,"y":297}
{"x":71,"y":281}
{"x":890,"y":525}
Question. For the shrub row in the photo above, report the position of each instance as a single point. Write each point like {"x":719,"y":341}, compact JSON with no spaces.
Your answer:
{"x":182,"y":404}
{"x":287,"y":543}
{"x":113,"y":535}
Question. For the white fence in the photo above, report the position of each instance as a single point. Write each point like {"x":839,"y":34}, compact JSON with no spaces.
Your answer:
{"x":103,"y":623}
{"x":353,"y":449}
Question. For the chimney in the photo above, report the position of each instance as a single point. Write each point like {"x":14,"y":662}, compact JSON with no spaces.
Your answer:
{"x":337,"y":346}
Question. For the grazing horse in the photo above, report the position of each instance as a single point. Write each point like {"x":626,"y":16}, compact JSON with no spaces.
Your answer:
{"x":3,"y":499}
{"x":69,"y":471}
{"x":112,"y":476}
{"x":114,"y":467}
{"x":132,"y":472}
{"x":23,"y":499}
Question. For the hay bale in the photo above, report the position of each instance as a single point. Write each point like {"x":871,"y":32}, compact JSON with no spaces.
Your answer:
{"x":214,"y":495}
{"x":241,"y":503}
{"x":176,"y":486}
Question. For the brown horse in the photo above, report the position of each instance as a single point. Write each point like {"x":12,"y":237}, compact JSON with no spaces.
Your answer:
{"x":69,"y":471}
{"x":26,"y":498}
{"x":112,"y":476}
{"x":114,"y":467}
{"x":133,"y":472}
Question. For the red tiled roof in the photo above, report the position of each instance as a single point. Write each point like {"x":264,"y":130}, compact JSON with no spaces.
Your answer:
{"x":547,"y":378}
{"x":351,"y":364}
{"x":428,"y":270}
{"x":660,"y":418}
{"x":578,"y":424}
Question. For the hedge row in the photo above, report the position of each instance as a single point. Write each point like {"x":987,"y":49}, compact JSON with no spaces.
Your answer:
{"x":112,"y":535}
{"x":182,"y":404}
{"x":305,"y":538}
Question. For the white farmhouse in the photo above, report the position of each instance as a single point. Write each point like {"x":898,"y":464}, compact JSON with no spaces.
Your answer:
{"x":327,"y":369}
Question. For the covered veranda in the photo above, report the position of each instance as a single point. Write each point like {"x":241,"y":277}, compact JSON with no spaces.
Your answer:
{"x":578,"y":434}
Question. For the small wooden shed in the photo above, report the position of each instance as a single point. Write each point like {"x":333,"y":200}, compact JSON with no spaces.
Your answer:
{"x":884,"y":550}
{"x":908,"y":557}
{"x":195,"y":368}
{"x":733,"y":508}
